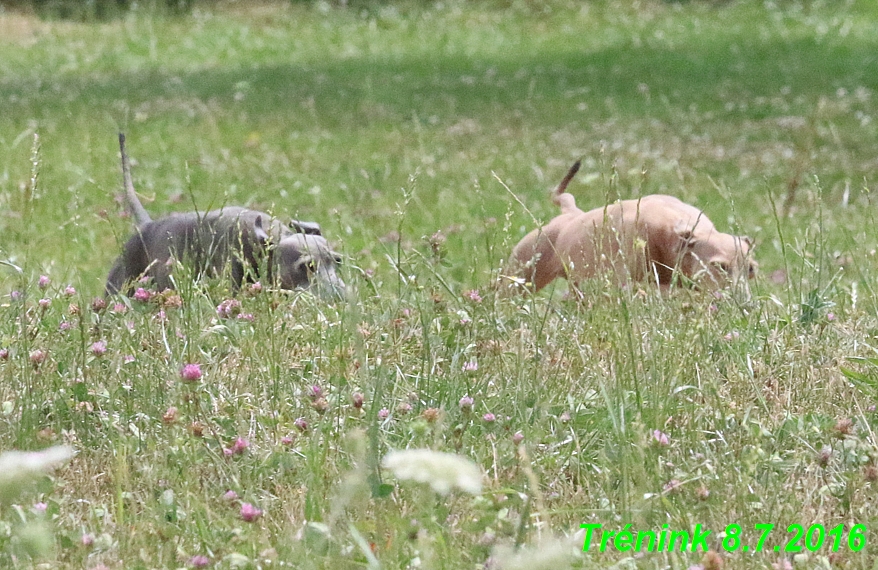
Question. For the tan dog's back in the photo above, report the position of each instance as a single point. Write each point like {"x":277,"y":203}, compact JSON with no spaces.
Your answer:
{"x":635,"y":240}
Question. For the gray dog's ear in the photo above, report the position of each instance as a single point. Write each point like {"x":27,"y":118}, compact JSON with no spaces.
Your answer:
{"x":307,"y":228}
{"x":259,"y":230}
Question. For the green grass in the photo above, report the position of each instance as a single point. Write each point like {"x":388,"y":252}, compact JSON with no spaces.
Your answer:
{"x":409,"y":119}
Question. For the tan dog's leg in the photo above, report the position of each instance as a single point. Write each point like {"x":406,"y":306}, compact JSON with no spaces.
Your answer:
{"x":535,"y":262}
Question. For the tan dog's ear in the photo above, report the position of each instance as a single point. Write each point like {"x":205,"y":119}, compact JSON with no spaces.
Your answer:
{"x":685,"y":233}
{"x":748,"y":240}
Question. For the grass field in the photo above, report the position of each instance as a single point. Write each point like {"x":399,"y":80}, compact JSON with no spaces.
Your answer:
{"x":424,"y":138}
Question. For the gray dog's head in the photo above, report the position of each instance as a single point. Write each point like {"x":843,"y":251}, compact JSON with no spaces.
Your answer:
{"x":304,"y":260}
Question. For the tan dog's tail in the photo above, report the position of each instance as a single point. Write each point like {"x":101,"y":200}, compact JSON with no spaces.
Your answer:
{"x":560,"y":197}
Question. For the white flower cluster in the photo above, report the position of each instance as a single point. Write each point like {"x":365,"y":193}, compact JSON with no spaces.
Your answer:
{"x":442,"y":471}
{"x":553,"y":553}
{"x":17,"y":467}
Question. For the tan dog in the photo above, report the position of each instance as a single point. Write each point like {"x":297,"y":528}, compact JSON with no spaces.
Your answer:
{"x":653,"y":238}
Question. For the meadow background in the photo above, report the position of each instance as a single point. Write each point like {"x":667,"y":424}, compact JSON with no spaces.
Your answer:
{"x":424,"y":137}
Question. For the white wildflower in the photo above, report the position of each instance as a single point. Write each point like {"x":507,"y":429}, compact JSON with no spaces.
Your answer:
{"x":237,"y":560}
{"x":19,"y":467}
{"x":550,"y":554}
{"x":14,"y":464}
{"x":441,"y":470}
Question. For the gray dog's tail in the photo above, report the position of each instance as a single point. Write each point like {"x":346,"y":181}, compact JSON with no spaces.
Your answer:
{"x":565,"y":201}
{"x":132,"y":203}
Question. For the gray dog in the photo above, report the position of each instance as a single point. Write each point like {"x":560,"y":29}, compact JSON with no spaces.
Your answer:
{"x":249,"y":242}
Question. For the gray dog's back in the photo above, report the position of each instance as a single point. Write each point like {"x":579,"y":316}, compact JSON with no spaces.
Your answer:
{"x":206,"y":242}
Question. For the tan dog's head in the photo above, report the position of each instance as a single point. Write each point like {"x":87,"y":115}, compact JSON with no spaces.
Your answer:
{"x":715,"y":260}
